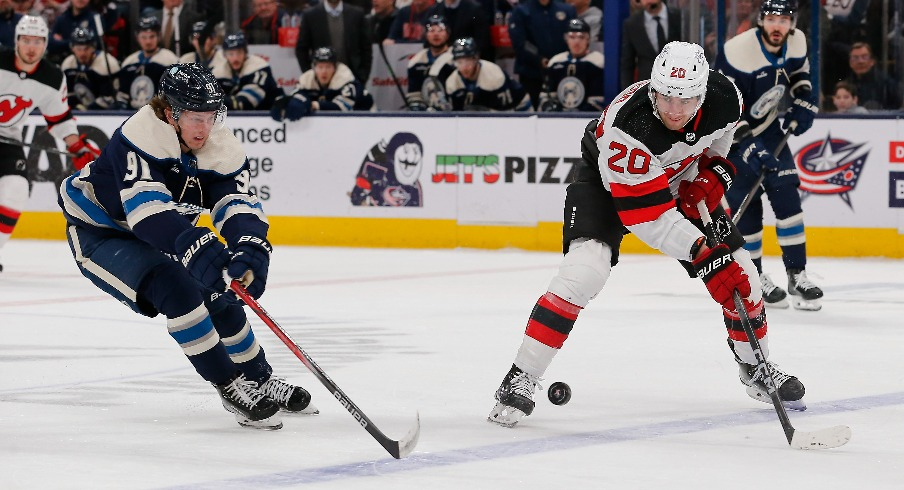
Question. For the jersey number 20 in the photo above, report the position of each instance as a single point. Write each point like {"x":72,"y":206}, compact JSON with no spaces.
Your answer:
{"x":638,"y":160}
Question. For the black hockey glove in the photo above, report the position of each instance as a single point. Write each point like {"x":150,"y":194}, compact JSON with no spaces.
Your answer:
{"x":291,"y":107}
{"x":250,"y":263}
{"x":204,"y":255}
{"x":757,"y":157}
{"x":803,"y":110}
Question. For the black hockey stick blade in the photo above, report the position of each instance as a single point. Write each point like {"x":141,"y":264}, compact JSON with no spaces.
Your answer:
{"x":55,"y":151}
{"x":398,"y":449}
{"x":822,"y":439}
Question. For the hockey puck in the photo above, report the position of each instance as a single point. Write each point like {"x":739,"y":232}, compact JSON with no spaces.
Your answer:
{"x":559,"y":393}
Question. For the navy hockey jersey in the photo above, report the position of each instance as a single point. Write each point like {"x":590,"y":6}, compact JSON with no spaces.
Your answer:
{"x":422,"y":65}
{"x":142,"y":184}
{"x":139,"y":77}
{"x":344,"y":93}
{"x":762,"y":77}
{"x":493,"y":90}
{"x":252,"y":88}
{"x":576,"y":84}
{"x":91,"y":86}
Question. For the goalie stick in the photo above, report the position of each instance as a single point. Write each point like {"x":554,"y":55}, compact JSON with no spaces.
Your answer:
{"x":398,"y":449}
{"x":828,"y":438}
{"x":759,"y":181}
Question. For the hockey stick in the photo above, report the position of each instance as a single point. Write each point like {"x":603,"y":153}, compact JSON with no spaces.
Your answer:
{"x":828,"y":438}
{"x":398,"y":449}
{"x":756,"y":186}
{"x":392,"y":74}
{"x":10,"y":141}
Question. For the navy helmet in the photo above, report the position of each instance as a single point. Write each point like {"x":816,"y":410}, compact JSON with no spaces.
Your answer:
{"x":323,"y":55}
{"x":235,"y":41}
{"x":779,"y":7}
{"x":148,"y":24}
{"x":436,"y":20}
{"x":577,"y":25}
{"x":82,"y":37}
{"x":464,"y":48}
{"x":202,"y":30}
{"x":191,"y":87}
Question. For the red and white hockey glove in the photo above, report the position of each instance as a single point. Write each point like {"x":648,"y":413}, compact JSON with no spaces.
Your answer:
{"x":84,"y":152}
{"x":713,"y":179}
{"x":722,"y":275}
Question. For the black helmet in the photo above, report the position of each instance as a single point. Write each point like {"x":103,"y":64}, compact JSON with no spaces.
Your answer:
{"x":235,"y":41}
{"x":82,"y":37}
{"x":577,"y":25}
{"x":325,"y":54}
{"x":436,"y":20}
{"x":779,"y":7}
{"x":202,"y":30}
{"x":148,"y":24}
{"x":464,"y":48}
{"x":191,"y":87}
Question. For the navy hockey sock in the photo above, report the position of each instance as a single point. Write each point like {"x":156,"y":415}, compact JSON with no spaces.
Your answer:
{"x":236,"y":334}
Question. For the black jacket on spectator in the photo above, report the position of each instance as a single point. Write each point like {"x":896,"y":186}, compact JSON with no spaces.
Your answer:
{"x":380,"y":26}
{"x":67,"y":22}
{"x":408,"y":27}
{"x":263,"y":31}
{"x":186,"y":18}
{"x":315,"y":33}
{"x":878,"y":92}
{"x":467,"y":20}
{"x":8,"y":28}
{"x":637,"y":52}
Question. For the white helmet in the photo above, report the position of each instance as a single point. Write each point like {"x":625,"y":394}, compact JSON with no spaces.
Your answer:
{"x":31,"y":25}
{"x":680,"y":70}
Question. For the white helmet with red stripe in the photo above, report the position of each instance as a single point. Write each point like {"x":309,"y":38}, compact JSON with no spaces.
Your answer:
{"x":680,"y":70}
{"x":31,"y":25}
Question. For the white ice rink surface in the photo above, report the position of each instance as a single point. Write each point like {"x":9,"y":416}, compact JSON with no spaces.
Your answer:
{"x":94,"y":396}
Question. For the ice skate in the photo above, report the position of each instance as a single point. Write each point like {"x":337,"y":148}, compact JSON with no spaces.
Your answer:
{"x":251,"y":407}
{"x":773,"y":296}
{"x":514,"y":398}
{"x":290,"y":398}
{"x":790,"y":389}
{"x":803,"y":293}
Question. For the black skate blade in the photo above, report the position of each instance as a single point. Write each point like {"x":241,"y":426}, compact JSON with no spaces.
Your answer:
{"x":829,"y":438}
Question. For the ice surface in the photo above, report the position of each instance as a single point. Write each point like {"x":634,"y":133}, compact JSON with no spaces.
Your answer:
{"x":94,"y":396}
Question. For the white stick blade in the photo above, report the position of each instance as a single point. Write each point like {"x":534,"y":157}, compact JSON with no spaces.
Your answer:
{"x":821,"y":439}
{"x":407,"y":444}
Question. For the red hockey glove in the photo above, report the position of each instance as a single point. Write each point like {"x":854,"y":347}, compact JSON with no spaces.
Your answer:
{"x":722,"y":275}
{"x":84,"y":152}
{"x":713,"y":179}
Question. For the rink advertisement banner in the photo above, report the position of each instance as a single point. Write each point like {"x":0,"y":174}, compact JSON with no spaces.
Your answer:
{"x":490,"y":171}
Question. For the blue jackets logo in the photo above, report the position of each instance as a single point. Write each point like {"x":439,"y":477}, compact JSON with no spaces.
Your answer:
{"x":831,"y":167}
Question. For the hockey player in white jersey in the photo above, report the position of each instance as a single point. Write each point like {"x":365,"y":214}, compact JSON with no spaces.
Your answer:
{"x":654,"y":153}
{"x":132,"y":227}
{"x":28,"y":82}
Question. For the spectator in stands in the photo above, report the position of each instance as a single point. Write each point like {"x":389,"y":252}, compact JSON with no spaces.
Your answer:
{"x":206,"y":44}
{"x":341,"y":27}
{"x":431,"y":67}
{"x":48,"y":9}
{"x":176,"y":21}
{"x":466,"y":18}
{"x":89,"y":73}
{"x":263,"y":25}
{"x":878,"y":91}
{"x":574,"y":78}
{"x":381,"y":19}
{"x":141,"y":70}
{"x":8,"y":20}
{"x":409,"y":23}
{"x":481,"y":85}
{"x":644,"y":34}
{"x":79,"y":14}
{"x":590,"y":14}
{"x":328,"y":86}
{"x":846,"y":100}
{"x":746,"y":12}
{"x":537,"y":29}
{"x":246,"y":78}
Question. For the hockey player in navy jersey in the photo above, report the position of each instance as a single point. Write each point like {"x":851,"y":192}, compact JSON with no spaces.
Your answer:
{"x":246,"y":78}
{"x":573,"y":79}
{"x":655,"y":153}
{"x":480,"y":85}
{"x":142,"y":69}
{"x":430,"y":68}
{"x":766,"y":63}
{"x":207,"y":50}
{"x":329,"y":85}
{"x":29,"y":82}
{"x":90,"y":74}
{"x":132,"y":227}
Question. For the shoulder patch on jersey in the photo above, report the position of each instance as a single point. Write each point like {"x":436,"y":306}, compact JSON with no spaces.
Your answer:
{"x":223,"y":153}
{"x":254,"y":63}
{"x":744,"y":52}
{"x":559,"y":58}
{"x":491,"y":77}
{"x":150,"y":135}
{"x":343,"y":76}
{"x":596,"y":58}
{"x":797,"y":45}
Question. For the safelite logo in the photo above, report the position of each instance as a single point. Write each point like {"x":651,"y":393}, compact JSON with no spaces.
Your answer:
{"x":831,"y":166}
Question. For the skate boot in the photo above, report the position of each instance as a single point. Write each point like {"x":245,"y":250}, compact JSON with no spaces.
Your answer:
{"x":804,"y":294}
{"x":773,"y":296}
{"x":251,"y":407}
{"x":790,"y":389}
{"x":514,"y":398}
{"x":290,"y":398}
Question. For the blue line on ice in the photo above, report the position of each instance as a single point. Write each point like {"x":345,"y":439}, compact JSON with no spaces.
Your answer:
{"x":420,"y":461}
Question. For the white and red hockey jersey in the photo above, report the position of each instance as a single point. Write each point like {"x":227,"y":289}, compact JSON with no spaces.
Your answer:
{"x":21,"y":93}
